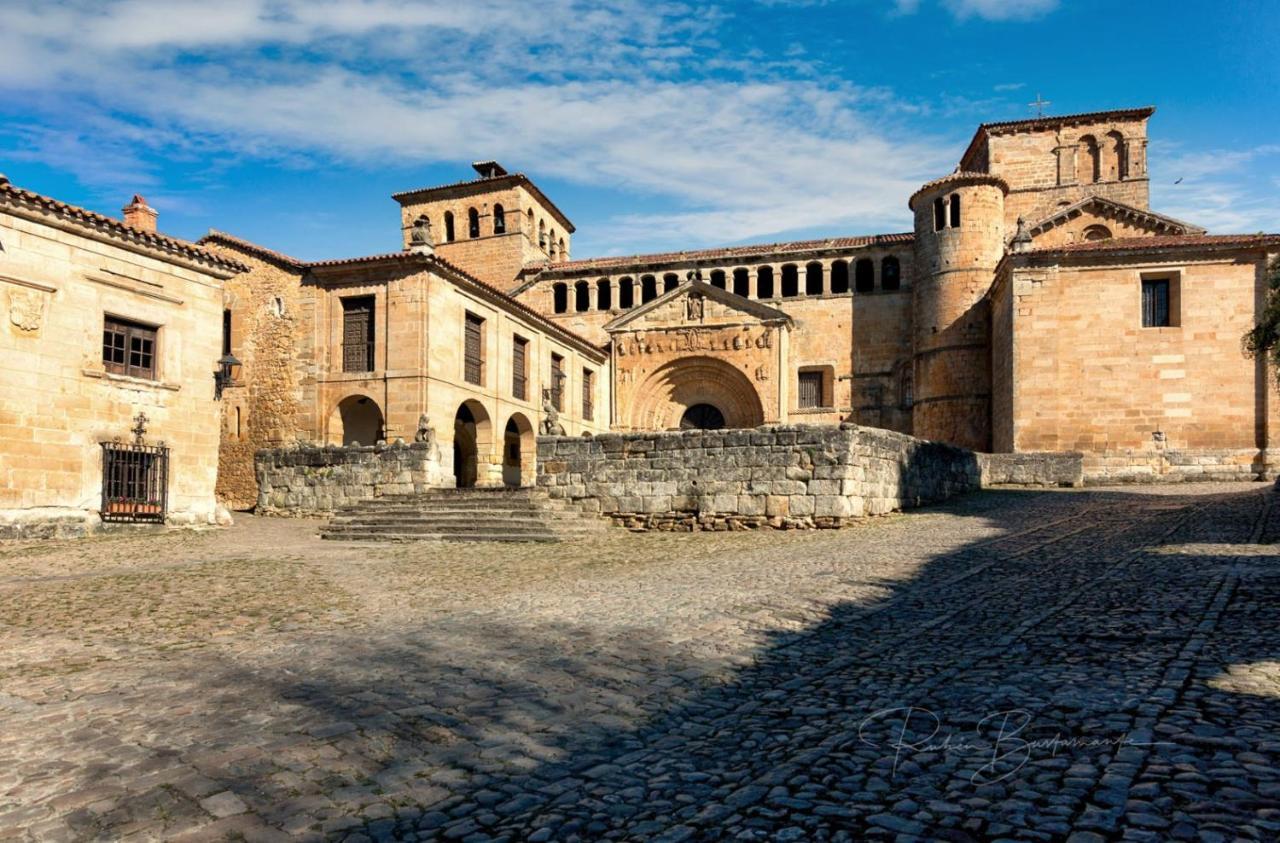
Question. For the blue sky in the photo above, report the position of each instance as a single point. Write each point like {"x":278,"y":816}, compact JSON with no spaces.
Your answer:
{"x":654,"y":125}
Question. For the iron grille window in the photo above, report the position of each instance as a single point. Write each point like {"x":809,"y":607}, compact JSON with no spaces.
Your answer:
{"x":1155,"y":302}
{"x":519,"y":381}
{"x":811,"y":390}
{"x":357,"y":334}
{"x":135,"y":482}
{"x":129,"y":348}
{"x":588,"y":392}
{"x":474,"y":350}
{"x":557,"y":382}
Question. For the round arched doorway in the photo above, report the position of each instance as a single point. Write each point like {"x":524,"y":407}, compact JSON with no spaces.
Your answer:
{"x":696,"y":390}
{"x":517,"y":451}
{"x":355,"y":421}
{"x":702,"y":417}
{"x":471,"y":441}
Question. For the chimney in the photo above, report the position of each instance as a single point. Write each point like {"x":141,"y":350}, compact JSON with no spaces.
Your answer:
{"x":139,"y":214}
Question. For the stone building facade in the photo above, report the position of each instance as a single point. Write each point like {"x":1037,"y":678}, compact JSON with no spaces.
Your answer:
{"x":399,"y":346}
{"x":1038,"y":304}
{"x":108,"y":348}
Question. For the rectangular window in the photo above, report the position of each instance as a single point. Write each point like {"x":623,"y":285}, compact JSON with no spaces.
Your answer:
{"x":519,"y":353}
{"x":474,"y":350}
{"x":557,"y":382}
{"x":357,"y":334}
{"x":811,"y":390}
{"x":588,"y":394}
{"x":1155,"y":303}
{"x":226,"y":331}
{"x":128,"y":348}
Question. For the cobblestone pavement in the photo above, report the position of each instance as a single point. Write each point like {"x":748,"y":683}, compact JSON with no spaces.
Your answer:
{"x":1091,"y":665}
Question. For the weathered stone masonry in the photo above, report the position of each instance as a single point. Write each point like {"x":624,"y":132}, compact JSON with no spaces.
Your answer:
{"x":308,"y":480}
{"x":777,"y":476}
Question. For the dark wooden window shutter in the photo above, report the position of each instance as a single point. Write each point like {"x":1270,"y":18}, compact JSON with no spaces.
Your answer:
{"x":811,"y":389}
{"x":474,"y":349}
{"x":357,"y":334}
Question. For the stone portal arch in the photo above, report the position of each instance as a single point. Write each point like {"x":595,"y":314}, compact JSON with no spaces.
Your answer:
{"x":662,"y":400}
{"x":519,"y":451}
{"x":472,"y":444}
{"x":356,"y":420}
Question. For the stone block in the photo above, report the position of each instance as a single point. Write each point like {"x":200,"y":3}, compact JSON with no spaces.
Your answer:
{"x":777,"y":506}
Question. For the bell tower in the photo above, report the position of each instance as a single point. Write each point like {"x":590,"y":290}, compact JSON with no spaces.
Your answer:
{"x":491,"y":226}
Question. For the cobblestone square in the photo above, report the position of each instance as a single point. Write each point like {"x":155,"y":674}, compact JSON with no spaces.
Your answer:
{"x":1090,"y":665}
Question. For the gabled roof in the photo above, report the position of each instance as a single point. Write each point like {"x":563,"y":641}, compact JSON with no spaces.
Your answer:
{"x":1118,"y":209}
{"x":91,"y":222}
{"x":1039,"y":123}
{"x":330,"y":268}
{"x":763,"y":312}
{"x":482,"y":185}
{"x":223,"y":238}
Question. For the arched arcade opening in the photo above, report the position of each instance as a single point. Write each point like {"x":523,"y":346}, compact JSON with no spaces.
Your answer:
{"x":357,"y":420}
{"x":519,"y":452}
{"x":472,"y":441}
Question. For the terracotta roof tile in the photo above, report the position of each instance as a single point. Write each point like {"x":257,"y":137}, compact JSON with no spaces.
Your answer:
{"x":1006,"y":126}
{"x":730,"y":252}
{"x":407,"y":257}
{"x":114,"y":227}
{"x":958,"y":178}
{"x":216,"y":236}
{"x":1169,"y":241}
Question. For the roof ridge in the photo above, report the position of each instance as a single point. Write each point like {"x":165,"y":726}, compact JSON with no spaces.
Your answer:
{"x":249,"y":245}
{"x":118,"y":228}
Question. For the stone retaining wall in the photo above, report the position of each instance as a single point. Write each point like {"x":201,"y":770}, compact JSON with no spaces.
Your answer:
{"x":1042,"y":468}
{"x":779,"y":476}
{"x":309,"y":480}
{"x":1160,"y":465}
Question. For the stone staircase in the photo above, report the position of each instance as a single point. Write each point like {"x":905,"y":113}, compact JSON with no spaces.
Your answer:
{"x":464,"y":515}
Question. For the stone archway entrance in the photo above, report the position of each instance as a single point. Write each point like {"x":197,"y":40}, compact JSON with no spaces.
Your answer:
{"x":356,"y":420}
{"x":702,"y":417}
{"x":471,"y":441}
{"x":518,"y":452}
{"x":696,"y":392}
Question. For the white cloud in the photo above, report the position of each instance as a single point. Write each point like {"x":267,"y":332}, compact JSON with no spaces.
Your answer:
{"x":1000,"y":10}
{"x":1216,"y":188}
{"x":613,"y":94}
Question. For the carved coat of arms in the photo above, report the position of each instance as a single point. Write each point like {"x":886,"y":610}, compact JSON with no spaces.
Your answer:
{"x":26,"y":309}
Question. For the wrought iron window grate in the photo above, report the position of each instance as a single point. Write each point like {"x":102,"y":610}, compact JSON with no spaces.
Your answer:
{"x":135,"y":482}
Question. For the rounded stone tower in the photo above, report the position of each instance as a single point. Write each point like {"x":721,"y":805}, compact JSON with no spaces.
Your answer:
{"x":959,"y":226}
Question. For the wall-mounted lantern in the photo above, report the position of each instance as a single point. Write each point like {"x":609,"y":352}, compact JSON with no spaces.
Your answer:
{"x":227,"y":373}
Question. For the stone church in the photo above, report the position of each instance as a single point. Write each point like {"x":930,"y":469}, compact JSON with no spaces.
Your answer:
{"x":1038,"y":304}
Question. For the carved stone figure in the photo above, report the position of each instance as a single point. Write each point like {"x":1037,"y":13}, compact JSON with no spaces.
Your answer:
{"x":420,"y":234}
{"x":551,"y":418}
{"x":426,"y":433}
{"x":693,"y":308}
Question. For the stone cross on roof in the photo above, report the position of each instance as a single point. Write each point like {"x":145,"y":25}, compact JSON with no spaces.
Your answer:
{"x":1039,"y":105}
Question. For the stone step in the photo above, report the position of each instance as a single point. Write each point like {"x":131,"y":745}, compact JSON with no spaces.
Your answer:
{"x":464,"y":515}
{"x":448,"y":526}
{"x":443,"y":537}
{"x":458,"y":506}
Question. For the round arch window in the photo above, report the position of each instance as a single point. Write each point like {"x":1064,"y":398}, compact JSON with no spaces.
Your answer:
{"x":702,"y":417}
